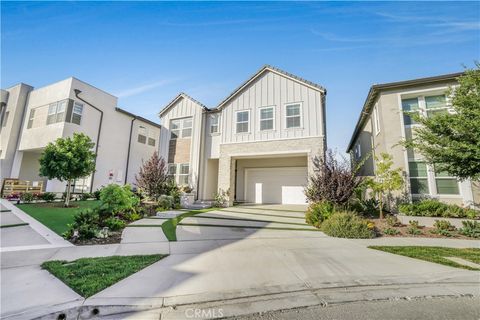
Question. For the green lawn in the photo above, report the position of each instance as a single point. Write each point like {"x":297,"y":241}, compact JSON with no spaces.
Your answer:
{"x":54,"y":215}
{"x":88,"y":276}
{"x":435,"y":254}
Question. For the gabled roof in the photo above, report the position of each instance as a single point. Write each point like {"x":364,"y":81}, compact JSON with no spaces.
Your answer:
{"x":377,"y":88}
{"x":266,"y":68}
{"x":178,"y":97}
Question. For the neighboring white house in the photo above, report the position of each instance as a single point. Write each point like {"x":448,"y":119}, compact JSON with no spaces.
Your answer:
{"x":258,"y":143}
{"x":31,"y":118}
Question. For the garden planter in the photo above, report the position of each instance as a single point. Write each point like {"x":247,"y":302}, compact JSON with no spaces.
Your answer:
{"x":187,"y":199}
{"x":430,"y":221}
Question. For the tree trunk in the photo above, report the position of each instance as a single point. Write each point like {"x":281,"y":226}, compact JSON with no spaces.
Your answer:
{"x":380,"y":202}
{"x":67,"y":196}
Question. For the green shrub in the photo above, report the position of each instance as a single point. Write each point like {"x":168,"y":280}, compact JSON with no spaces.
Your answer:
{"x":443,"y":225}
{"x":85,"y":196}
{"x":347,"y":225}
{"x":117,"y":198}
{"x":470,"y":229}
{"x":391,"y":231}
{"x":114,"y":224}
{"x":86,"y":223}
{"x":173,"y":191}
{"x":368,"y":208}
{"x":319,"y":212}
{"x":26,"y":197}
{"x":165,"y":203}
{"x":132,"y":216}
{"x":221,"y":198}
{"x":414,"y":224}
{"x":434,"y":208}
{"x":48,"y":196}
{"x":392,"y":221}
{"x":96,"y":194}
{"x":413,"y":231}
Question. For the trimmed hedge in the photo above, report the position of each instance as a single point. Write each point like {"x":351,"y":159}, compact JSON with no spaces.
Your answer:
{"x":434,"y":208}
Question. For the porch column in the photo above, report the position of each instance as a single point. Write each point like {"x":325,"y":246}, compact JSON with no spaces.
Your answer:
{"x":226,"y":177}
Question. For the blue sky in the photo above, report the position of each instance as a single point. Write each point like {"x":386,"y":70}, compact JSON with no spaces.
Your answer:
{"x":147,"y":52}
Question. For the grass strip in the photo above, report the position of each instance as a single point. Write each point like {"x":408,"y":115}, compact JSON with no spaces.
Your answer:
{"x":435,"y":254}
{"x":244,"y":227}
{"x":54,"y":215}
{"x":263,"y":214}
{"x":253,"y":220}
{"x":14,"y":225}
{"x":87,"y":276}
{"x":169,"y":227}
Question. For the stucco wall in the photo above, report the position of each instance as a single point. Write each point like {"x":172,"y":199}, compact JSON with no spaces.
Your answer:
{"x":229,"y":153}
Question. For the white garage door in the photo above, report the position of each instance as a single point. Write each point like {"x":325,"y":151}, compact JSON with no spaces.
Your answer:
{"x":276,"y":185}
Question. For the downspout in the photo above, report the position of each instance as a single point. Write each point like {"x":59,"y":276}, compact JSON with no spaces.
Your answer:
{"x":77,"y":92}
{"x":202,"y":155}
{"x":128,"y":151}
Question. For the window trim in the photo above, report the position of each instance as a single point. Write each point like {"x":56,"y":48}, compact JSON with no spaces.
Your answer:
{"x":300,"y":115}
{"x":249,"y":121}
{"x":376,"y":120}
{"x":216,"y":115}
{"x":273,"y":107}
{"x":426,"y":177}
{"x":180,"y":128}
{"x":143,"y":135}
{"x":75,"y":103}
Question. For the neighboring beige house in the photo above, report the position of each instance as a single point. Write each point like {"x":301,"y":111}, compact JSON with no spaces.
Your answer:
{"x":258,"y":143}
{"x":31,"y":118}
{"x":382,"y":124}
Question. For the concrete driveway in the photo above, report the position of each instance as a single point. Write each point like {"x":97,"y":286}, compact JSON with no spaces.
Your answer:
{"x":251,"y":259}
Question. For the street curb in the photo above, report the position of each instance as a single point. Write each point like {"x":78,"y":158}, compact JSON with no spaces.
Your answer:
{"x":180,"y":308}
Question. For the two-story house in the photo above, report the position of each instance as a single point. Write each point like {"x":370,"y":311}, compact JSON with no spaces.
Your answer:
{"x":31,"y":118}
{"x":384,"y":122}
{"x":258,"y":143}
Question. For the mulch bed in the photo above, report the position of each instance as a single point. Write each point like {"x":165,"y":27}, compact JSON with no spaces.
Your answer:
{"x":115,"y":237}
{"x":381,"y":225}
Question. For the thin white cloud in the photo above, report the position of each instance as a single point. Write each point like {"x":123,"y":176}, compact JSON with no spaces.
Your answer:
{"x":142,"y":88}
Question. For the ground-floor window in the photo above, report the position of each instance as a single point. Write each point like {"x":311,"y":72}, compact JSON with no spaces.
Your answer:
{"x":425,"y":180}
{"x":81,"y":185}
{"x":180,"y":172}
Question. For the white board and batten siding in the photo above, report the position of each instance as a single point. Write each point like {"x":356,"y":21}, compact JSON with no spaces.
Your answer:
{"x":184,"y":108}
{"x":273,"y":89}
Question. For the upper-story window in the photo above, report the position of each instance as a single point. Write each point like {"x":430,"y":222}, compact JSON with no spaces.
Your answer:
{"x":56,"y":112}
{"x":267,"y":118}
{"x":358,"y":151}
{"x":243,"y":121}
{"x":436,"y":105}
{"x":142,"y":134}
{"x":376,"y":120}
{"x":31,"y":117}
{"x":181,"y":128}
{"x":77,"y":113}
{"x":293,"y":115}
{"x":151,"y":138}
{"x":5,"y":119}
{"x":426,"y":106}
{"x":215,"y":123}
{"x":409,"y":106}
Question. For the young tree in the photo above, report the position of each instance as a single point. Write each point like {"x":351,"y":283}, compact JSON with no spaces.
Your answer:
{"x":451,"y":141}
{"x":333,"y":180}
{"x":152,"y":177}
{"x":68,"y":159}
{"x":386,"y":179}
